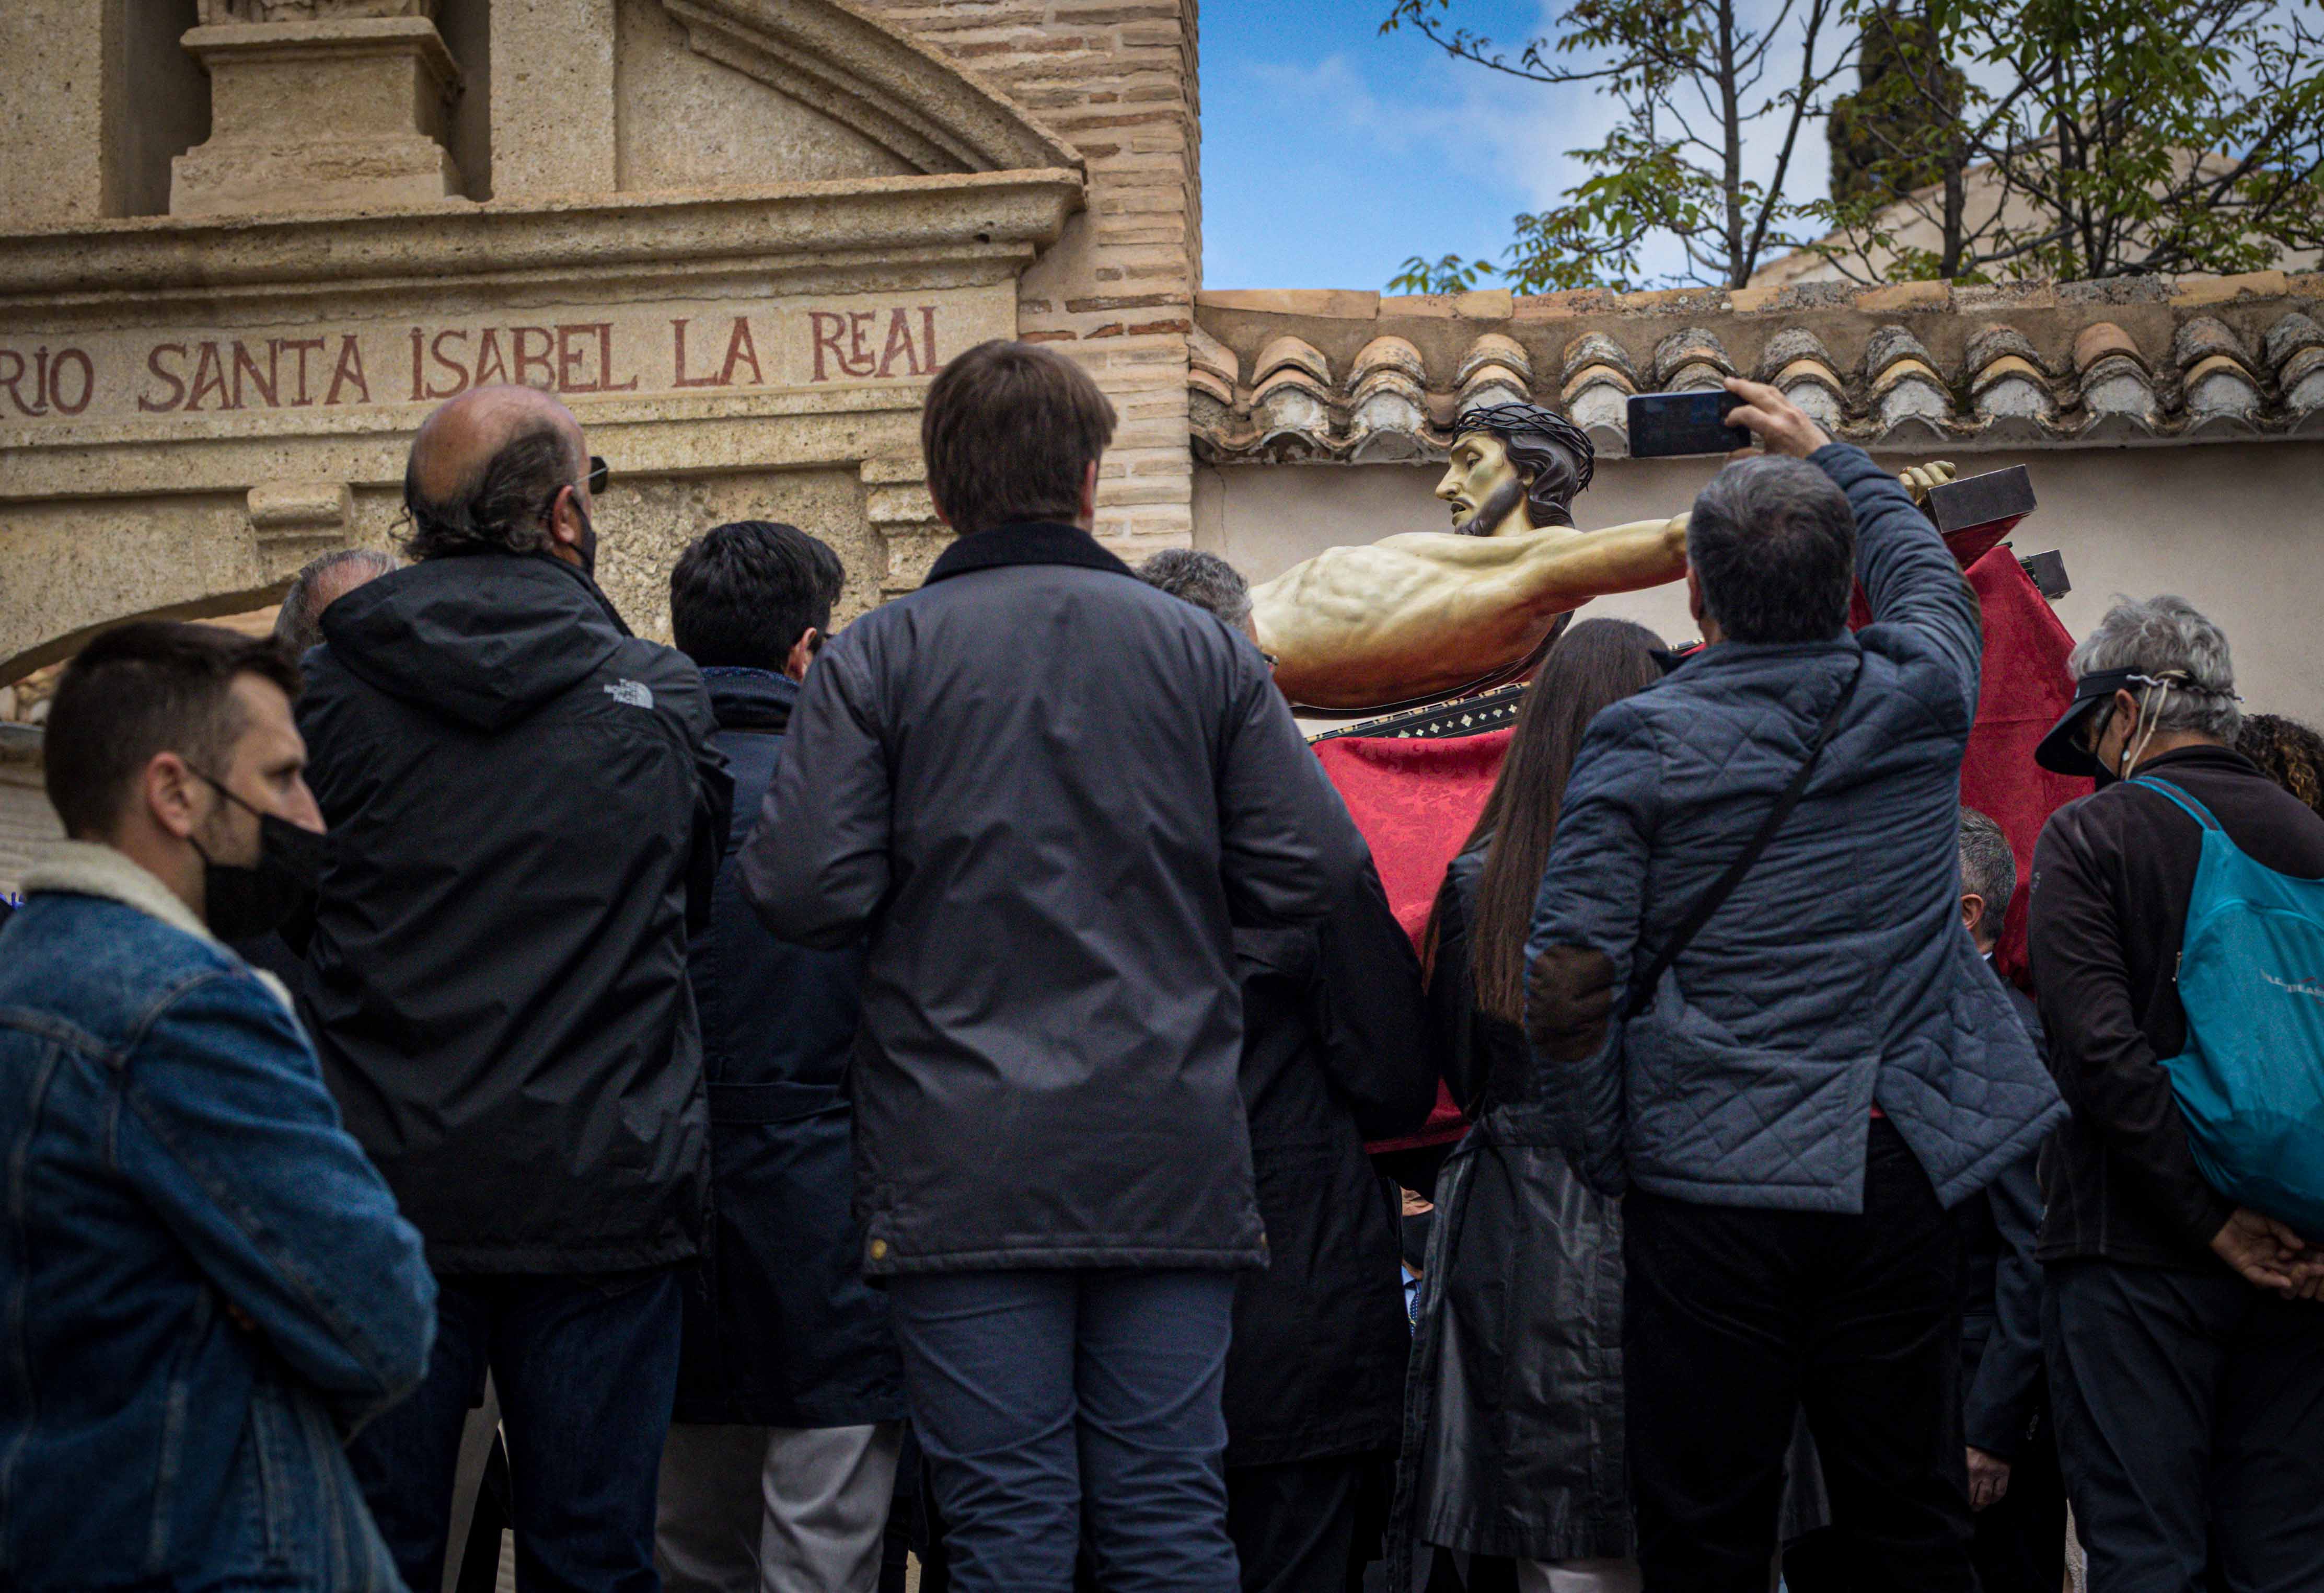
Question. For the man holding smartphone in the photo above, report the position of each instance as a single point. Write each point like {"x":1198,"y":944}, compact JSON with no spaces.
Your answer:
{"x":1759,"y":1018}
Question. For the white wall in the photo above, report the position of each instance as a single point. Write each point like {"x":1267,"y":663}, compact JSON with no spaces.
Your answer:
{"x":2237,"y":529}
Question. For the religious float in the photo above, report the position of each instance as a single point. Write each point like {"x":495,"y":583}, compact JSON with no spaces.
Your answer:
{"x":1432,"y":638}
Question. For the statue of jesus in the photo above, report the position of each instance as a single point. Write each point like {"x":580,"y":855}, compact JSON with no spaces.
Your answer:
{"x":1425,"y":614}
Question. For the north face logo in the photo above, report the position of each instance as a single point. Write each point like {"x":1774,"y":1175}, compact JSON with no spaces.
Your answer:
{"x":635,"y":693}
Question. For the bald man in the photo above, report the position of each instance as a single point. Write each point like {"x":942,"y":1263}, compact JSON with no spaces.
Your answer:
{"x":526,"y":809}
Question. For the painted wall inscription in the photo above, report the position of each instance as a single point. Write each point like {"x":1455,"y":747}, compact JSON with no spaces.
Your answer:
{"x":713,"y":347}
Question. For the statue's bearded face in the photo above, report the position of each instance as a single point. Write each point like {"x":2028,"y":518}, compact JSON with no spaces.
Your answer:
{"x":1481,"y":483}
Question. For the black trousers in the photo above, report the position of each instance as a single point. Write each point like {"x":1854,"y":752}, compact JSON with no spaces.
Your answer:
{"x":1738,"y":1318}
{"x":2191,"y":1427}
{"x":2021,"y":1537}
{"x":1305,"y":1526}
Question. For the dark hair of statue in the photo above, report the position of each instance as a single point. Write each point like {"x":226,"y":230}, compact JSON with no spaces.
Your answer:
{"x":1596,"y":663}
{"x":1528,"y":433}
{"x":2287,"y":753}
{"x":140,"y":690}
{"x":743,"y":594}
{"x":504,"y":507}
{"x":1009,"y":432}
{"x":1772,"y":542}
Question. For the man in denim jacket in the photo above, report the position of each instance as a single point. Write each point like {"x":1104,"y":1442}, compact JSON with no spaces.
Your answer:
{"x":204,"y":1285}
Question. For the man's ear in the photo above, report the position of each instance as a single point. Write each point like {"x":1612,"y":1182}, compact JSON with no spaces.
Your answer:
{"x":1972,"y":908}
{"x":942,"y":518}
{"x":1694,"y":595}
{"x":1088,"y":516}
{"x":565,"y":519}
{"x":802,"y":653}
{"x":168,"y":789}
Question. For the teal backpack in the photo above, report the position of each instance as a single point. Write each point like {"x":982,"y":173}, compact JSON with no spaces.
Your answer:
{"x":2251,"y":976}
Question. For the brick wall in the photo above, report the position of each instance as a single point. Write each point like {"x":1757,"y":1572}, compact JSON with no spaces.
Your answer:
{"x":1116,"y":78}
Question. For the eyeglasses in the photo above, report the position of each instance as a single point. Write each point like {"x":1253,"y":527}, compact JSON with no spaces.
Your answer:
{"x":598,"y":476}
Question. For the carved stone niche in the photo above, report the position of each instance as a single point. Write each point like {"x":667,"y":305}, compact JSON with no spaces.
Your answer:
{"x":320,"y":105}
{"x":222,"y":12}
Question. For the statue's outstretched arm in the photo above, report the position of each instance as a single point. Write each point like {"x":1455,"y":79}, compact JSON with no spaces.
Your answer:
{"x":1413,"y":614}
{"x":1556,"y":576}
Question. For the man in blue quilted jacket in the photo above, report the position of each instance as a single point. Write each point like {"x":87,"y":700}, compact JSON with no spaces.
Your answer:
{"x":1824,"y":1067}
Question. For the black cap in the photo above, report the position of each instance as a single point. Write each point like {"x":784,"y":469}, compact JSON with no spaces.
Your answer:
{"x":2061,"y":750}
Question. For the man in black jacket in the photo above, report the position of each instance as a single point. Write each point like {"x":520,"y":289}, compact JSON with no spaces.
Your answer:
{"x":525,"y":805}
{"x":782,"y":1457}
{"x":2188,"y":1382}
{"x":1334,"y":1052}
{"x":1049,"y":793}
{"x":2014,"y":1484}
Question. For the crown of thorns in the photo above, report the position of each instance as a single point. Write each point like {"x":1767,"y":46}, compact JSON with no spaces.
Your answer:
{"x":1507,"y":420}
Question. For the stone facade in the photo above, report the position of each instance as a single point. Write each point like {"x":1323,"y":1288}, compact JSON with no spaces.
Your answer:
{"x":737,"y":236}
{"x":247,"y":244}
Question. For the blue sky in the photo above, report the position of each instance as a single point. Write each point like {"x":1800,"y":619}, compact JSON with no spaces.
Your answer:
{"x":1332,"y":152}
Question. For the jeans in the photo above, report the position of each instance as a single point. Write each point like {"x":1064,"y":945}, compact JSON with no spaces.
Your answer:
{"x":1032,"y":1391}
{"x":2191,"y":1427}
{"x":586,"y":1368}
{"x":1736,"y":1318}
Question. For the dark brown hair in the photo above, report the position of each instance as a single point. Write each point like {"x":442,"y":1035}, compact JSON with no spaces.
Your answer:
{"x":1596,"y":663}
{"x":1007,"y":433}
{"x":141,"y":689}
{"x":743,"y":594}
{"x":2287,"y":753}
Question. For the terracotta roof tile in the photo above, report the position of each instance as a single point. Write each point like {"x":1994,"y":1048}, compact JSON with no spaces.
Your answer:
{"x":1356,"y":376}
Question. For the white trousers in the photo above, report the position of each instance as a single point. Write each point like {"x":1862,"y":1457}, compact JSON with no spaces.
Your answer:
{"x":1578,"y":1576}
{"x":774,"y":1509}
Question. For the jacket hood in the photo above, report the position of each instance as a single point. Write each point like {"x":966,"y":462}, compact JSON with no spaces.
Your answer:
{"x":481,"y":638}
{"x":749,"y":699}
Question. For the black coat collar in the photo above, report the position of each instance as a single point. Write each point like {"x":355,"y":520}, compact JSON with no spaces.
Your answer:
{"x":749,"y":699}
{"x":1025,"y":542}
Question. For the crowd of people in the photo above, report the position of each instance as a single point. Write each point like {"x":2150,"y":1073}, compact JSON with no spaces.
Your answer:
{"x":739,"y":1111}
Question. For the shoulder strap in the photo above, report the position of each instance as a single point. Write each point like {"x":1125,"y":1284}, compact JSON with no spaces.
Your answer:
{"x":2187,"y":804}
{"x":1642,"y":989}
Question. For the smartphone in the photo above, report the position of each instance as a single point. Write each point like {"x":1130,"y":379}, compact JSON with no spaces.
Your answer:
{"x":1663,"y":424}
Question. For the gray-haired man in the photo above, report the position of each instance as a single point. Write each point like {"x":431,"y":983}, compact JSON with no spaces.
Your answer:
{"x":1790,"y":1109}
{"x":2020,"y":1545}
{"x":322,"y":582}
{"x":2188,"y":1387}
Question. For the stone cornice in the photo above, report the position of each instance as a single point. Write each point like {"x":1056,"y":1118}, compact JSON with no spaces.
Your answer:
{"x":801,"y":228}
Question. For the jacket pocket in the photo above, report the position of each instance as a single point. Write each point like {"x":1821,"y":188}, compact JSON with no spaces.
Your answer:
{"x":276,"y":1454}
{"x":1706,"y":1108}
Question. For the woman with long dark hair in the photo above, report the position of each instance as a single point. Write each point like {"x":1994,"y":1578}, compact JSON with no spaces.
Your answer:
{"x":1512,"y":1428}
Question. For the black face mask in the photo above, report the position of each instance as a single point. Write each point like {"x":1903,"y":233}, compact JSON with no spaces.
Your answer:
{"x":241,"y":900}
{"x":587,"y":548}
{"x":2104,"y":776}
{"x":1416,"y":1226}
